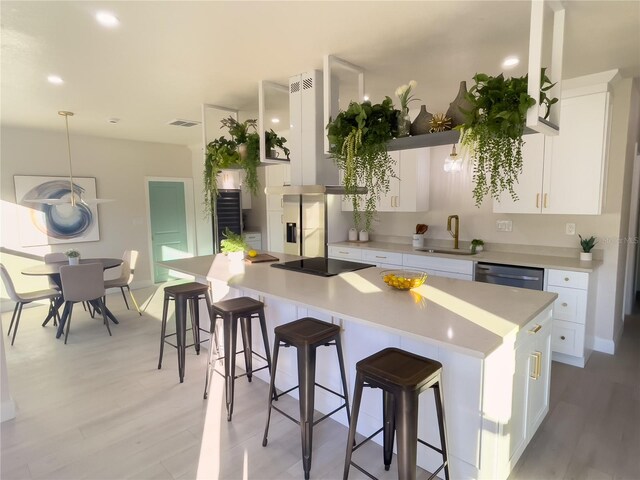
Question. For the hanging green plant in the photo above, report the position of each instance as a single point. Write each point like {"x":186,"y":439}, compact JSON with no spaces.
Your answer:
{"x":358,"y":144}
{"x":241,"y":151}
{"x":493,"y":129}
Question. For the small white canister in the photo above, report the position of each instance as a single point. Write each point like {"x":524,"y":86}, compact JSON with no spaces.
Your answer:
{"x":364,"y":236}
{"x":353,"y":235}
{"x":418,"y":240}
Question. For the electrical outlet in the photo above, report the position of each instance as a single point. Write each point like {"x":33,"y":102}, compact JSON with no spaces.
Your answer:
{"x":570,"y":229}
{"x":504,"y":225}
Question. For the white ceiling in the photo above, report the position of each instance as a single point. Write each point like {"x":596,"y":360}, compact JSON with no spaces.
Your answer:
{"x":167,"y":58}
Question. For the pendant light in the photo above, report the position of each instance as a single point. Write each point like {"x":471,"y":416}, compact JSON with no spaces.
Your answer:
{"x":74,"y":197}
{"x":452,"y":163}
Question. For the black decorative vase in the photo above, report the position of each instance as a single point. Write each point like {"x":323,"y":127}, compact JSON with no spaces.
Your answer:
{"x":460,"y":103}
{"x":421,"y":124}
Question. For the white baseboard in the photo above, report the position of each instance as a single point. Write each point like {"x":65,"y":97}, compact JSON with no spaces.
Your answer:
{"x":605,"y":345}
{"x":7,"y":410}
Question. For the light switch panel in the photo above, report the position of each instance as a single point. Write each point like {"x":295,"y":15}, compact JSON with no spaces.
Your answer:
{"x":504,"y":225}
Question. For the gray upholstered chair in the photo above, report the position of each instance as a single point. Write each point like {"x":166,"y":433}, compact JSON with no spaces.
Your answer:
{"x":56,"y":257}
{"x":130,"y":258}
{"x":23,"y":298}
{"x":83,"y":283}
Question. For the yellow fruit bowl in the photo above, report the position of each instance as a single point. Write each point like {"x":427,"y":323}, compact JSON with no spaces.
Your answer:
{"x":403,"y":279}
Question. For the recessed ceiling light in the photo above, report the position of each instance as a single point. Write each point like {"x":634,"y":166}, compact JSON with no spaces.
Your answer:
{"x":275,"y":120}
{"x":107,"y":19}
{"x":55,"y":79}
{"x":510,"y":62}
{"x":366,"y":98}
{"x":113,"y":120}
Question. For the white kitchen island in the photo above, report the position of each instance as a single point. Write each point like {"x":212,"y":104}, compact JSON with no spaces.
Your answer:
{"x":493,"y":343}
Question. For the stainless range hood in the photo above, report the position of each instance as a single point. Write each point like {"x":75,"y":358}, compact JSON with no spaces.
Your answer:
{"x":313,"y":172}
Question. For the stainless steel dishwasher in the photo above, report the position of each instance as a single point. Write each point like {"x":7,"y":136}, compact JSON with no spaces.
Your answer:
{"x":510,"y":275}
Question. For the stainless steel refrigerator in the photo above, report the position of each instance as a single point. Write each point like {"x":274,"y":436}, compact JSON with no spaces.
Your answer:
{"x":305,"y":222}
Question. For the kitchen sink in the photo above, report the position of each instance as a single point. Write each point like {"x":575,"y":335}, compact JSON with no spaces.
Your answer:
{"x":448,"y":252}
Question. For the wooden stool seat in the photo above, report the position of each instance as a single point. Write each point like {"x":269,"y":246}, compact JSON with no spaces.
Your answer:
{"x":191,"y":288}
{"x":307,"y":331}
{"x":238,"y":305}
{"x":402,"y":376}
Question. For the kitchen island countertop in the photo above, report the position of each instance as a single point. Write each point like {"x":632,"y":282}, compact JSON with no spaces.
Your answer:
{"x":469,"y":317}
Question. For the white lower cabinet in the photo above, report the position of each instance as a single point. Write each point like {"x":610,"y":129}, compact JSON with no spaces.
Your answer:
{"x":382,"y":259}
{"x":531,"y":385}
{"x":439,"y":266}
{"x":345,"y":253}
{"x":570,"y":315}
{"x":254,"y":240}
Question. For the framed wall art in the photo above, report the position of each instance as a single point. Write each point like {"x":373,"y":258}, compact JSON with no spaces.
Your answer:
{"x":42,"y":223}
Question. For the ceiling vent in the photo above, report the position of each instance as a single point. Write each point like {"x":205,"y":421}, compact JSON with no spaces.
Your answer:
{"x":183,"y":123}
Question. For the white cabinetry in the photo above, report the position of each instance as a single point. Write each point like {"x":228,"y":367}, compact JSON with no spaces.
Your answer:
{"x":566,"y":174}
{"x":531,"y":385}
{"x":439,"y":266}
{"x":345,"y":253}
{"x":382,"y":259}
{"x":254,"y":240}
{"x":276,"y":176}
{"x":409,"y":192}
{"x":568,"y":339}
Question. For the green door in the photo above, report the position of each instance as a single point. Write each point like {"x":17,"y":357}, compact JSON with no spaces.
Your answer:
{"x":168,"y":225}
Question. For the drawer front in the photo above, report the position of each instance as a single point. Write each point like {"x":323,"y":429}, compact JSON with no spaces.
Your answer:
{"x":571,"y":304}
{"x":567,"y":338}
{"x":377,"y":256}
{"x":345,"y":252}
{"x":564,"y":278}
{"x":438,"y":263}
{"x":440,"y":273}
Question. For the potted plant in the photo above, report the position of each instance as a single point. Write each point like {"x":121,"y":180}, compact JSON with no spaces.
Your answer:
{"x":272,"y":140}
{"x":493,"y":130}
{"x":587,"y":245}
{"x":73,"y":255}
{"x":358,"y":144}
{"x":233,"y":245}
{"x":477,"y":245}
{"x":241,"y":151}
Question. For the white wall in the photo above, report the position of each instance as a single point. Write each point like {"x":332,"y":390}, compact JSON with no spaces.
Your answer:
{"x":119,"y":166}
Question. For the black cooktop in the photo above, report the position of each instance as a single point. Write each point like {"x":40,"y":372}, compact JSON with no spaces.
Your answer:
{"x":324,"y":267}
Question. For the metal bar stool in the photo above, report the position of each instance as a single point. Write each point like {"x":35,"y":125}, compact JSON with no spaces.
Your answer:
{"x":186,"y":293}
{"x":242,"y":309}
{"x":402,"y":376}
{"x":306,"y":334}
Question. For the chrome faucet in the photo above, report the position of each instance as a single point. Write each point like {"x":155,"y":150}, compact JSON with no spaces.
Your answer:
{"x":456,"y":231}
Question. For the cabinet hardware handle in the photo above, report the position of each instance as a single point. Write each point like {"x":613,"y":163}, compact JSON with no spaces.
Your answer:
{"x":380,"y":256}
{"x":564,"y":304}
{"x":281,"y":202}
{"x":562,"y":337}
{"x":537,"y":200}
{"x":535,"y":329}
{"x":545,"y":200}
{"x":345,"y":253}
{"x":281,"y":218}
{"x":537,"y":366}
{"x":539,"y":355}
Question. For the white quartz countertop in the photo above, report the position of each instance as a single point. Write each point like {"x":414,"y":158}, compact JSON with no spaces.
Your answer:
{"x":473,"y":318}
{"x":505,"y":258}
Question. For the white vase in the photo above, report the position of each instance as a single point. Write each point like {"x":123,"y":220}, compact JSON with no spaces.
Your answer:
{"x":353,"y":235}
{"x":363,"y":236}
{"x":74,"y":260}
{"x":586,"y":256}
{"x":236,"y":256}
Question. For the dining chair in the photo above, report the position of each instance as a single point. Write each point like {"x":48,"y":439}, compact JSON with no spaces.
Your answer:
{"x":83,"y":283}
{"x":130,"y":258}
{"x":61,"y":257}
{"x":24,"y":298}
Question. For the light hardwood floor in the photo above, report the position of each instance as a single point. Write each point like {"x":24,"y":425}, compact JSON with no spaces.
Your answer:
{"x":98,"y":408}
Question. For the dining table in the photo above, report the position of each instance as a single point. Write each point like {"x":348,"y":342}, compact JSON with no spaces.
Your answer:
{"x":52,"y":270}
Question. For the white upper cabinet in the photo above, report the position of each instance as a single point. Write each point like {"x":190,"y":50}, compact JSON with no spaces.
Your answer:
{"x":566,"y":174}
{"x":410,"y":191}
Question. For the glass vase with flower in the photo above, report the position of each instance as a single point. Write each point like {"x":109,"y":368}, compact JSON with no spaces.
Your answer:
{"x":405,"y":96}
